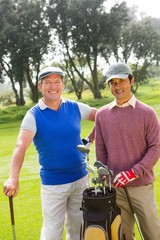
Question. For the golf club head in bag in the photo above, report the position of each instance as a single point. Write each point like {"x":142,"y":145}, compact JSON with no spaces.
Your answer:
{"x":103,"y":170}
{"x":106,"y":171}
{"x":99,"y":164}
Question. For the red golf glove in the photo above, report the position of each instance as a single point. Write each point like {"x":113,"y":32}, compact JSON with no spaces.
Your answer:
{"x":123,"y":178}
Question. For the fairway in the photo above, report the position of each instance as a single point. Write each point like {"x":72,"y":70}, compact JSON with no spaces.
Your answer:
{"x":27,"y":206}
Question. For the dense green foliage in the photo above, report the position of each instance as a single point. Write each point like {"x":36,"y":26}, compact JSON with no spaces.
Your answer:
{"x":27,"y":206}
{"x":80,"y":36}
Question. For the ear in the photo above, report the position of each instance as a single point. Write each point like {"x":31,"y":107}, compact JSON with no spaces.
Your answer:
{"x":132,"y":81}
{"x":40,"y":85}
{"x":62,"y":85}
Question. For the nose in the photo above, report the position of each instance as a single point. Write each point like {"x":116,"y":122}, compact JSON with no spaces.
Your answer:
{"x":53,"y":85}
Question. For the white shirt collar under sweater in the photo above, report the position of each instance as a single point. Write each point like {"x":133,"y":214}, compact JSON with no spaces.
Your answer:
{"x":43,"y":106}
{"x":131,"y":102}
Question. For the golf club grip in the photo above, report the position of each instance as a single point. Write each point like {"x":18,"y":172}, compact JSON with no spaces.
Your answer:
{"x":11,"y":209}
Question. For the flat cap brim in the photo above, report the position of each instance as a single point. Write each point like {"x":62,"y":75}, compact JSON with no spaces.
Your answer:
{"x":121,"y":76}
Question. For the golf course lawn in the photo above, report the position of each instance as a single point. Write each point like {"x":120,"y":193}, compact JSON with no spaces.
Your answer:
{"x":27,"y":206}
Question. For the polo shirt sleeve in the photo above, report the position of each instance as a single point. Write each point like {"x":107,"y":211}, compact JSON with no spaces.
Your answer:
{"x":85,"y":110}
{"x":29,"y":122}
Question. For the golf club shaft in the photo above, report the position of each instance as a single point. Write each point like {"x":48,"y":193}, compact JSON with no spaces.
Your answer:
{"x":12,"y":217}
{"x":132,"y":209}
{"x":104,"y":184}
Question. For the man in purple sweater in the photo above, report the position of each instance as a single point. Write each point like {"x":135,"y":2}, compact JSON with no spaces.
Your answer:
{"x":128,"y":141}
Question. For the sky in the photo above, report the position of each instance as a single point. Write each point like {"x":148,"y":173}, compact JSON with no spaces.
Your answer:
{"x":150,"y":7}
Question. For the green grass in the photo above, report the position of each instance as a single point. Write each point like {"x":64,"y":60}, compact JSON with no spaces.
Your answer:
{"x":27,"y":206}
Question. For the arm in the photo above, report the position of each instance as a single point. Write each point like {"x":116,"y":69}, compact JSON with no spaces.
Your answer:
{"x":91,"y":136}
{"x":152,"y":139}
{"x":91,"y":117}
{"x":101,"y":151}
{"x":88,"y":113}
{"x":11,"y":186}
{"x":92,"y":114}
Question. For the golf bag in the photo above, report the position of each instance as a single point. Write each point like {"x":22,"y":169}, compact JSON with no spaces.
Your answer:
{"x":101,"y":215}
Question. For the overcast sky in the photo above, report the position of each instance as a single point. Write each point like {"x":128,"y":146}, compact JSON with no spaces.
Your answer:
{"x":150,"y":7}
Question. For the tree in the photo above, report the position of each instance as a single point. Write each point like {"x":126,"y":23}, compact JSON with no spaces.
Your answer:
{"x":24,"y":40}
{"x":76,"y":83}
{"x":85,"y":31}
{"x":141,"y":42}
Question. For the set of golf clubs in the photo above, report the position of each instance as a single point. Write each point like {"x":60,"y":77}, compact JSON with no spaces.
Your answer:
{"x":99,"y":171}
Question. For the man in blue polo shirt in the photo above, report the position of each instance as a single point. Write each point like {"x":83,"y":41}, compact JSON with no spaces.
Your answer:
{"x":54,"y":125}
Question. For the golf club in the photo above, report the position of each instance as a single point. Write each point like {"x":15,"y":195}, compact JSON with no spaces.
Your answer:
{"x":12,"y":217}
{"x":132,"y":209}
{"x":84,"y":149}
{"x":105,"y":171}
{"x":99,"y":164}
{"x":104,"y":184}
{"x":109,"y":178}
{"x":92,"y":170}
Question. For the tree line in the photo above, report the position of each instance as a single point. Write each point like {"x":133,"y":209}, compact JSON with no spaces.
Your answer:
{"x":82,"y":33}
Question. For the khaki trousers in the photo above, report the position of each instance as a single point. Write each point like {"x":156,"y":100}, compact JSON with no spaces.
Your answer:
{"x":145,"y":207}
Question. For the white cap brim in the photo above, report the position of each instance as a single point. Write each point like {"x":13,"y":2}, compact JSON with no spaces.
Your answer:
{"x":49,"y":73}
{"x":49,"y":70}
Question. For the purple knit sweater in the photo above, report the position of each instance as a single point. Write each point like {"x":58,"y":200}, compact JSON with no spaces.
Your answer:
{"x":128,"y":138}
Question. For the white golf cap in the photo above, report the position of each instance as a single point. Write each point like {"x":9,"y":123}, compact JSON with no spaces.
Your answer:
{"x":118,"y":70}
{"x":50,"y":70}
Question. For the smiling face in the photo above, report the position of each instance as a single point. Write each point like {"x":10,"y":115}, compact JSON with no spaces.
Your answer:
{"x":51,"y":87}
{"x":121,"y":89}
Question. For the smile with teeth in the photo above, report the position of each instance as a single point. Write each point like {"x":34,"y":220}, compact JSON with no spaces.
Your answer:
{"x":53,"y":92}
{"x":119,"y":91}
